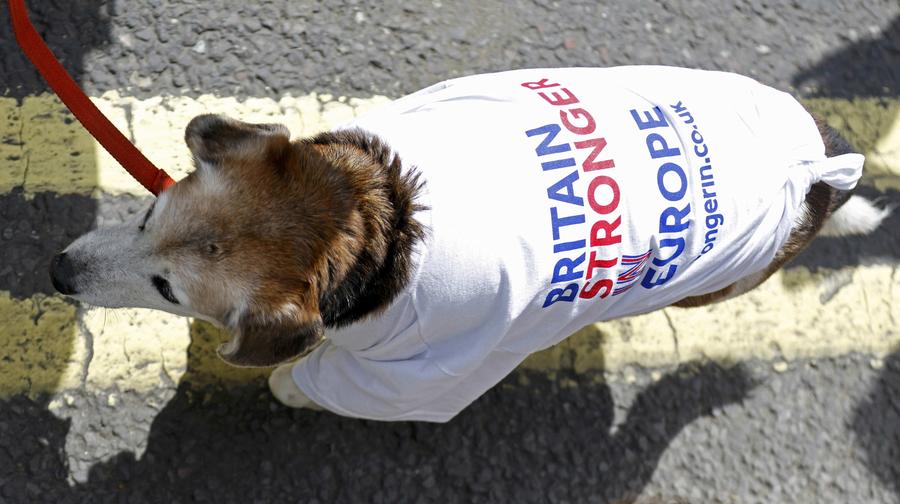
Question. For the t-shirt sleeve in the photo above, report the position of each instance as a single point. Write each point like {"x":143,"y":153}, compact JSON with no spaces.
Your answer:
{"x":350,"y":385}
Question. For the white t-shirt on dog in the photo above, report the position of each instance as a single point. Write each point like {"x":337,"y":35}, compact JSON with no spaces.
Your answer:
{"x":562,"y":197}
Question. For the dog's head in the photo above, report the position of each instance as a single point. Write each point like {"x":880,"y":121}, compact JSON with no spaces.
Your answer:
{"x":245,"y":241}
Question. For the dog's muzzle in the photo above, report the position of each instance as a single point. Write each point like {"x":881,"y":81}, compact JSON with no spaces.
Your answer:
{"x":62,"y":274}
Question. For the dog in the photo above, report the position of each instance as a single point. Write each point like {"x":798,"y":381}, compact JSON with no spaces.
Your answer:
{"x":414,"y":257}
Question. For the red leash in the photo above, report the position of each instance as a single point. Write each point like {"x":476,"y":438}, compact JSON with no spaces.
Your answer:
{"x":151,"y":177}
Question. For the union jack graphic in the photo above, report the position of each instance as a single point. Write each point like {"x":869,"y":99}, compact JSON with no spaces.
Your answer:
{"x":632,"y":267}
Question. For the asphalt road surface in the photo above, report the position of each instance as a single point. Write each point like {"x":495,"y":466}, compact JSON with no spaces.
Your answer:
{"x":788,"y":430}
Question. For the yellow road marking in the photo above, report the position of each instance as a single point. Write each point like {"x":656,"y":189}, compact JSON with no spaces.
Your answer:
{"x":134,"y":348}
{"x":872,"y":125}
{"x":784,"y":319}
{"x":47,"y":150}
{"x":886,"y":152}
{"x":44,"y":148}
{"x":42,"y":349}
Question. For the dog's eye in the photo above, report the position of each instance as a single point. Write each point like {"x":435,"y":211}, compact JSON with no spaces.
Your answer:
{"x":147,"y":217}
{"x":212,"y":249}
{"x":165,"y":290}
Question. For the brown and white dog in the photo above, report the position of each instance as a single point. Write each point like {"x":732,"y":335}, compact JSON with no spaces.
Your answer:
{"x":276,"y":240}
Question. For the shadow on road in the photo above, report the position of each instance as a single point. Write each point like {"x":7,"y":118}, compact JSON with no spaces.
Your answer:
{"x":70,"y":28}
{"x":877,"y":425}
{"x":41,"y":139}
{"x":882,"y":246}
{"x":42,"y":150}
{"x":868,"y":67}
{"x":532,"y":438}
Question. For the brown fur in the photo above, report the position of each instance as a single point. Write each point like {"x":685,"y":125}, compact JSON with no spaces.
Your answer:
{"x":381,"y":268}
{"x":335,"y":244}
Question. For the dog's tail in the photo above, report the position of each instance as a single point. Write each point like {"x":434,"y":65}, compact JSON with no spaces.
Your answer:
{"x":856,"y":216}
{"x":848,"y":214}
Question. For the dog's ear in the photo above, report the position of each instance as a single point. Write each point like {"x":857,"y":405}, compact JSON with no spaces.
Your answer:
{"x":214,"y":138}
{"x":262,"y":341}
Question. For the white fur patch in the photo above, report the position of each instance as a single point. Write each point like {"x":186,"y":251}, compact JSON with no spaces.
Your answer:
{"x":857,"y":216}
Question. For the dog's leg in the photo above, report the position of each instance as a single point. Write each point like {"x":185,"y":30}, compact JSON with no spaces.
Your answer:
{"x":282,"y":386}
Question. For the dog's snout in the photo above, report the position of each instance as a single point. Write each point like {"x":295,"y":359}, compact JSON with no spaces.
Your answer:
{"x":62,"y":274}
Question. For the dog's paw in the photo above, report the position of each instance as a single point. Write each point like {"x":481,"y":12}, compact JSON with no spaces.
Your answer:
{"x":282,"y":386}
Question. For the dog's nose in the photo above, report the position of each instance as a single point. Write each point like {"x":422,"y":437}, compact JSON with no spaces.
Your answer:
{"x":62,"y":273}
